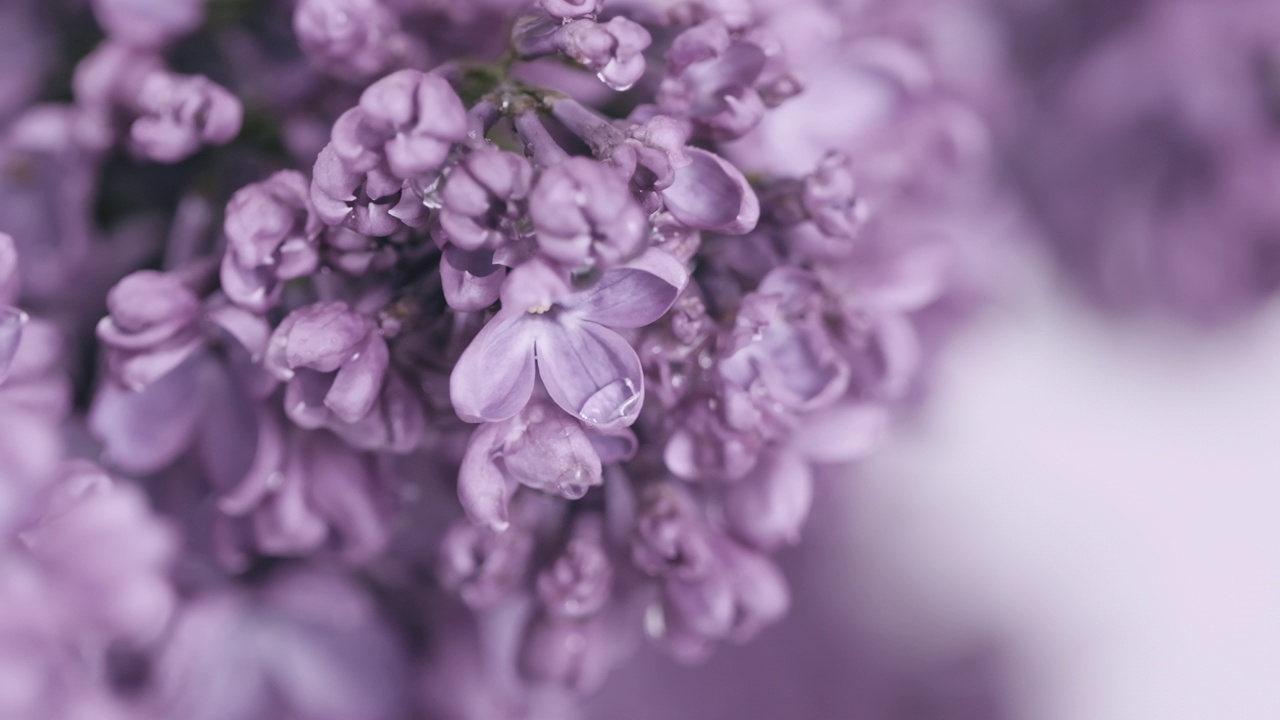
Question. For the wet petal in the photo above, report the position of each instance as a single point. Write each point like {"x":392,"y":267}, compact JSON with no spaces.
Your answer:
{"x":493,"y":379}
{"x":591,"y":371}
{"x":711,"y":194}
{"x":633,"y":295}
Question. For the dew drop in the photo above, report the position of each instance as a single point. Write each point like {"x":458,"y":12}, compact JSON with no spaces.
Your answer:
{"x":610,"y":403}
{"x":603,"y":76}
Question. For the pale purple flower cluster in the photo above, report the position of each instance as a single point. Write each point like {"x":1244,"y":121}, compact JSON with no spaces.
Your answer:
{"x":445,"y":383}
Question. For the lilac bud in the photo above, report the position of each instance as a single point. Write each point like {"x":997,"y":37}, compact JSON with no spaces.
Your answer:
{"x":781,"y":338}
{"x":571,"y":8}
{"x":272,"y":234}
{"x":334,"y":359}
{"x":483,"y":566}
{"x":549,"y":451}
{"x":410,"y":120}
{"x":711,"y":79}
{"x":471,"y":280}
{"x":148,"y":23}
{"x":578,"y":582}
{"x":478,"y":200}
{"x":180,"y":113}
{"x":574,"y":654}
{"x":671,"y":536}
{"x":352,"y":39}
{"x":372,"y":203}
{"x":581,"y":209}
{"x":614,"y":50}
{"x":151,"y":327}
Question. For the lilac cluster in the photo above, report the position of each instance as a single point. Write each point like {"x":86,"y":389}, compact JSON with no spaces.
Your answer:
{"x":446,"y":382}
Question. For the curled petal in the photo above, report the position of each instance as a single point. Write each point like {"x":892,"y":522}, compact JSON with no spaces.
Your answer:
{"x":632,"y":295}
{"x":711,"y":194}
{"x":11,"y":322}
{"x":483,"y":490}
{"x":468,"y":288}
{"x":144,"y":431}
{"x":493,"y":379}
{"x":8,"y":270}
{"x":356,"y":386}
{"x":591,"y":372}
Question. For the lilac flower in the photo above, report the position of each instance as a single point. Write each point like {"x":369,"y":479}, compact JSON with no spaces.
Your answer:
{"x":272,"y":233}
{"x":334,"y":360}
{"x":482,"y":565}
{"x":570,"y":8}
{"x":579,"y":582}
{"x":780,"y":345}
{"x":540,"y":448}
{"x":152,"y":327}
{"x":740,"y":594}
{"x":371,"y":203}
{"x":303,"y":488}
{"x":698,"y":188}
{"x":480,"y":195}
{"x":11,"y":318}
{"x":582,"y":211}
{"x":351,"y":39}
{"x":587,"y":368}
{"x":178,"y":114}
{"x":406,"y":122}
{"x":711,"y":78}
{"x":613,"y":49}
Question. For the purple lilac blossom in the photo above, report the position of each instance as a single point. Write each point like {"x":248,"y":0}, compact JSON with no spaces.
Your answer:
{"x":417,"y":387}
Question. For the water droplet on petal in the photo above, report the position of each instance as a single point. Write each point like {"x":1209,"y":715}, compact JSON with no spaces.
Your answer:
{"x":611,"y":403}
{"x":603,"y":75}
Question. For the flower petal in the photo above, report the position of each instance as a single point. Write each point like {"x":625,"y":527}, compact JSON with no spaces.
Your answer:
{"x":483,"y":491}
{"x":768,"y":507}
{"x":590,"y":371}
{"x":11,"y":322}
{"x":358,"y":383}
{"x":632,"y":295}
{"x":144,"y":431}
{"x":711,"y":194}
{"x":493,"y":379}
